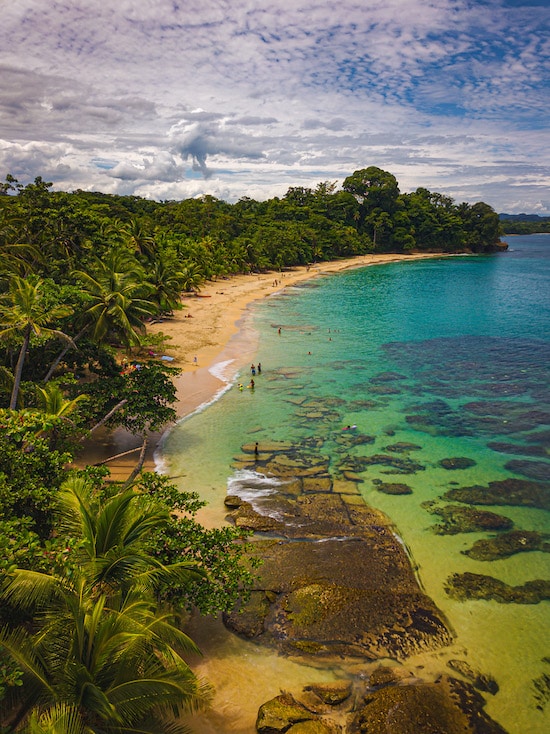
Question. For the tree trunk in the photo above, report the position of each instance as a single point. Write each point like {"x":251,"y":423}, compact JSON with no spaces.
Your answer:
{"x":105,"y":418}
{"x":61,"y":354}
{"x":19,"y":369}
{"x":139,"y":465}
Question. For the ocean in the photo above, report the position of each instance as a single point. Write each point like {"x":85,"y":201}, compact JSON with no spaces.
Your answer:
{"x":445,"y":361}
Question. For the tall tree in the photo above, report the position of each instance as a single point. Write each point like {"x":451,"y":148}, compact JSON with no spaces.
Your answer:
{"x":118,"y":293}
{"x":24,"y":312}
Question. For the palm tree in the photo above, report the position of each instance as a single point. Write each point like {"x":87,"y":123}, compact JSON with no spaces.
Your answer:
{"x":104,"y":649}
{"x":119,"y":296}
{"x":53,"y":403}
{"x":138,"y":238}
{"x":118,"y":661}
{"x":112,"y":534}
{"x":23,"y":311}
{"x":166,"y":280}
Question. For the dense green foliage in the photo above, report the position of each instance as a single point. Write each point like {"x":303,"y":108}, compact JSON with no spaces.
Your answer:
{"x":524,"y":224}
{"x":100,"y":644}
{"x":80,"y":275}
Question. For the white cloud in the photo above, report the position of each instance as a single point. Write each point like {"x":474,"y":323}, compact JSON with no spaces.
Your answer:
{"x":172,"y":99}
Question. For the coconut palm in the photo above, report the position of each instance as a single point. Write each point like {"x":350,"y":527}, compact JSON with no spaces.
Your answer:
{"x":112,"y":533}
{"x":24,"y":312}
{"x":53,"y":403}
{"x":167,"y":282}
{"x":138,"y":238}
{"x":117,"y":660}
{"x":119,"y":302}
{"x":104,"y":648}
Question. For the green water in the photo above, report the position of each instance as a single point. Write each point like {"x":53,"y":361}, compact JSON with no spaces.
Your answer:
{"x":450,"y":355}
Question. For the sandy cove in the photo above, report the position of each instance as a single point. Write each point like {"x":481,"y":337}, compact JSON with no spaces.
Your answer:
{"x":211,"y":328}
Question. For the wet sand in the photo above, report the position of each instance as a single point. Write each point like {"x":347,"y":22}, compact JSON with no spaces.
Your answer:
{"x":211,"y":330}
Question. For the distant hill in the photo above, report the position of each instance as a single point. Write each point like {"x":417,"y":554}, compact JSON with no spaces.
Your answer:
{"x":524,"y":223}
{"x":524,"y":217}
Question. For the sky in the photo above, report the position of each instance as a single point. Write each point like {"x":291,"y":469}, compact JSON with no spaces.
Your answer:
{"x":173,"y":99}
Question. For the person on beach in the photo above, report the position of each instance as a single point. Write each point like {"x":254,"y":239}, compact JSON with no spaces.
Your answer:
{"x":252,"y":369}
{"x":252,"y":384}
{"x":259,"y":368}
{"x":256,"y":450}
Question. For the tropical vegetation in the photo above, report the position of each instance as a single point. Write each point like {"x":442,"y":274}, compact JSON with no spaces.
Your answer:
{"x":96,"y":575}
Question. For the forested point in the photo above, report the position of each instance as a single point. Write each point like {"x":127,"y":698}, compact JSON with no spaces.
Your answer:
{"x":94,"y":574}
{"x":524,"y":224}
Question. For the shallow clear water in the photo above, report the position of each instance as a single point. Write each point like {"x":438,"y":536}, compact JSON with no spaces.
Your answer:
{"x":448,"y":354}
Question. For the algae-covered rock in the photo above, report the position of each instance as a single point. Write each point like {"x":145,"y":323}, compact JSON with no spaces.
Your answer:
{"x":457,"y":462}
{"x":356,"y":596}
{"x":464,"y":586}
{"x":280,"y":713}
{"x":532,"y":469}
{"x":458,"y":519}
{"x":332,"y":694}
{"x":508,"y":544}
{"x":402,"y":447}
{"x":446,"y":707}
{"x":386,"y":676}
{"x":402,"y":704}
{"x":397,"y":464}
{"x":542,"y":691}
{"x":391,"y":487}
{"x":517,"y":492}
{"x":319,"y":726}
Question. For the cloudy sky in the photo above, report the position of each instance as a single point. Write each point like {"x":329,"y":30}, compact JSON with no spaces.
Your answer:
{"x":170,"y":99}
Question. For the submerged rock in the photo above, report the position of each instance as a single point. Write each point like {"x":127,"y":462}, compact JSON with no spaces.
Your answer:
{"x":464,"y":586}
{"x":457,"y":519}
{"x":517,"y":492}
{"x":392,"y":701}
{"x":532,"y":469}
{"x":391,"y":487}
{"x":457,"y":462}
{"x":402,"y":447}
{"x":508,"y":544}
{"x":450,"y":706}
{"x":542,"y":691}
{"x":517,"y":448}
{"x":479,"y":680}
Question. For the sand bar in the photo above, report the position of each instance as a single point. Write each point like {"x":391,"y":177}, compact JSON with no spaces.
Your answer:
{"x":212,"y":328}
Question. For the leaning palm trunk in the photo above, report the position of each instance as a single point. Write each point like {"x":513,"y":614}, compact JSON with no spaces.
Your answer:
{"x":19,"y":369}
{"x":110,"y":414}
{"x":62,"y":354}
{"x":139,"y":465}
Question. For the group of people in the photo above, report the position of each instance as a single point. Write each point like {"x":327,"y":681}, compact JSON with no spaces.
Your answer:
{"x":253,"y":370}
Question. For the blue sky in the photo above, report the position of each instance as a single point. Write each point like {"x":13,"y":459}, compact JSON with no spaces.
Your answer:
{"x":170,"y":99}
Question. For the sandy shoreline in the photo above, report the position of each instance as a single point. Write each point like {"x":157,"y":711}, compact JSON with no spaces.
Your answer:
{"x":212,"y":328}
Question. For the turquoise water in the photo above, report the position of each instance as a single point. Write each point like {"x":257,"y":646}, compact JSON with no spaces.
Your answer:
{"x":450,"y":355}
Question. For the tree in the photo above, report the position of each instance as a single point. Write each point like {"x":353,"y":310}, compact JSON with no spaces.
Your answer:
{"x":118,"y":294}
{"x":376,"y":192}
{"x":482,"y":226}
{"x":104,"y":648}
{"x":24,"y":312}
